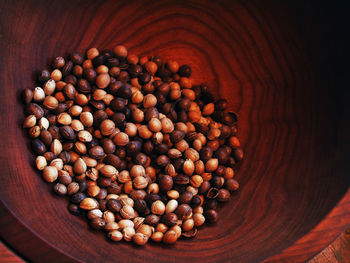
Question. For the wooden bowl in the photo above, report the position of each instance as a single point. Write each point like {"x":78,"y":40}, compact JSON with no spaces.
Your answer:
{"x":279,"y":71}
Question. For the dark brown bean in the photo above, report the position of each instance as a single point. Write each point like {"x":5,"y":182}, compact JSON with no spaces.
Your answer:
{"x":217,"y":181}
{"x":165,"y":183}
{"x":46,"y":137}
{"x":99,"y":116}
{"x":67,"y":132}
{"x":34,"y":109}
{"x":151,"y":198}
{"x":104,"y":181}
{"x":196,"y":201}
{"x":65,"y":156}
{"x":74,"y":209}
{"x":140,"y":206}
{"x":67,"y":68}
{"x":222,"y":155}
{"x":77,"y":198}
{"x":181,"y":179}
{"x":84,"y":86}
{"x":169,"y":219}
{"x":38,"y":147}
{"x":138,"y":194}
{"x":238,"y":154}
{"x":108,"y":146}
{"x":96,"y":152}
{"x":98,"y":223}
{"x":114,"y":205}
{"x":211,"y":204}
{"x":182,"y":211}
{"x":118,"y":104}
{"x":204,"y":188}
{"x":211,"y":216}
{"x":114,"y":189}
{"x":223,"y":196}
{"x":205,"y":154}
{"x":112,"y":160}
{"x":185,"y":198}
{"x":124,"y":92}
{"x":185,"y":71}
{"x":176,"y":136}
{"x":27,"y":96}
{"x":44,"y":75}
{"x":152,"y":220}
{"x":231,"y":185}
{"x":90,"y":75}
{"x":162,"y":160}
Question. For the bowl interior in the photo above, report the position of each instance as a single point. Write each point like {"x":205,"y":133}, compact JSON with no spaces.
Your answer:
{"x":293,"y":173}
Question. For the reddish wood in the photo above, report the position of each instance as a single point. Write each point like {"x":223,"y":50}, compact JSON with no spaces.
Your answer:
{"x":338,"y":251}
{"x":7,"y":256}
{"x":291,"y":106}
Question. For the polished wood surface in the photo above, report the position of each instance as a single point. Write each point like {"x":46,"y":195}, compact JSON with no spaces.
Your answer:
{"x":278,"y":68}
{"x":338,"y":251}
{"x":8,"y":256}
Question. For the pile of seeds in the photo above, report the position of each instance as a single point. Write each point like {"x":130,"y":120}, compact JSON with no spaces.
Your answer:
{"x":139,"y":150}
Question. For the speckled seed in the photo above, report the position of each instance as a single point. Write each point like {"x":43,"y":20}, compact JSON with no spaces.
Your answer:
{"x":38,"y":94}
{"x":125,"y":223}
{"x":77,"y":125}
{"x":29,"y":122}
{"x":44,"y":123}
{"x":140,"y":182}
{"x":170,"y":237}
{"x":167,"y":125}
{"x":157,"y":236}
{"x":128,"y":233}
{"x":111,"y":226}
{"x":58,"y":163}
{"x":173,"y":194}
{"x":88,"y":204}
{"x":56,"y":147}
{"x":108,"y":216}
{"x":108,"y":171}
{"x":140,"y":239}
{"x":138,"y":221}
{"x":115,"y":235}
{"x":198,"y":219}
{"x":211,"y":165}
{"x":79,"y":166}
{"x":187,"y":225}
{"x":64,"y":118}
{"x":171,"y":206}
{"x":84,"y":136}
{"x":86,"y":119}
{"x":177,"y":229}
{"x":158,"y":207}
{"x":50,"y":174}
{"x":137,"y":170}
{"x":188,"y":167}
{"x":121,"y":139}
{"x":49,"y":87}
{"x":94,"y":213}
{"x":127,"y":212}
{"x":40,"y":162}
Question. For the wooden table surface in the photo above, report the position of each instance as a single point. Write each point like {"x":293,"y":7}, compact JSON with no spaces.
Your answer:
{"x":337,"y":252}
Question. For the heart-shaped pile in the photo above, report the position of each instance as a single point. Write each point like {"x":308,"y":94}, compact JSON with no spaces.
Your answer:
{"x":140,"y":151}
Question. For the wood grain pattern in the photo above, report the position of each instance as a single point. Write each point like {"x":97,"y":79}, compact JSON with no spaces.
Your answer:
{"x":338,"y":251}
{"x":7,"y":256}
{"x":260,"y":56}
